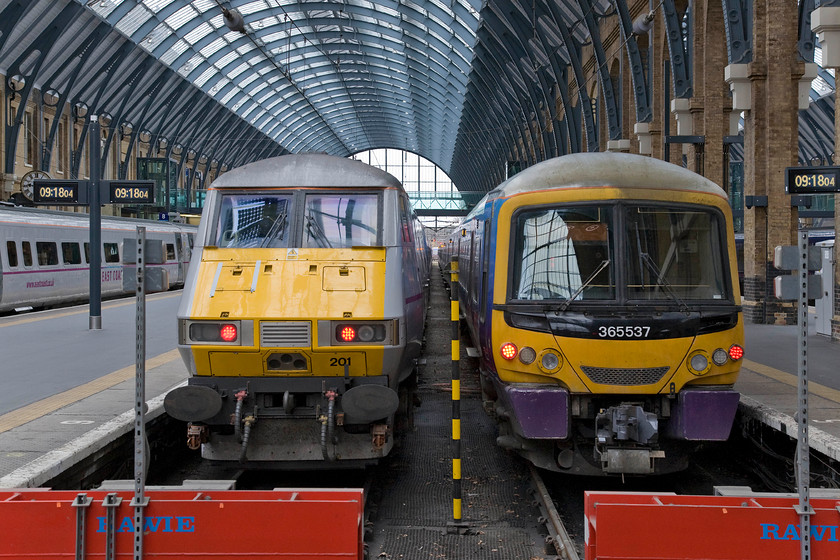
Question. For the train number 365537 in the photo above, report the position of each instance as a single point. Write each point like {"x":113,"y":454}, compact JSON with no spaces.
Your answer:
{"x":623,"y":331}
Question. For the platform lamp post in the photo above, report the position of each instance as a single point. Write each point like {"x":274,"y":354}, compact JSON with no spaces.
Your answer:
{"x":95,"y":320}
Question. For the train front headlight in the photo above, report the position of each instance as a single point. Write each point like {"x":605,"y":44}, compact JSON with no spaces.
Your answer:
{"x":698,"y":363}
{"x":527,"y":355}
{"x":550,"y":361}
{"x":720,"y":357}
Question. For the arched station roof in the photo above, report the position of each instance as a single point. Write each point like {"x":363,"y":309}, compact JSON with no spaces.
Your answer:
{"x":467,"y":84}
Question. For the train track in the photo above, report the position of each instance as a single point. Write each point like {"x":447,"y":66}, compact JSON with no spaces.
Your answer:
{"x":557,"y":536}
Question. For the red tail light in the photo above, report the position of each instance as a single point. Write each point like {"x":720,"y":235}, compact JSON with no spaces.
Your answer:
{"x":347,"y":333}
{"x":736,"y":352}
{"x":508,"y":350}
{"x":228,"y":333}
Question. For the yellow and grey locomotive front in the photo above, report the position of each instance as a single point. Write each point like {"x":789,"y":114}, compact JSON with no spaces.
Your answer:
{"x":302,"y":313}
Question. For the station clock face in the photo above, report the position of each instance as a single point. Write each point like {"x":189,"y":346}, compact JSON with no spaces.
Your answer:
{"x":27,"y":183}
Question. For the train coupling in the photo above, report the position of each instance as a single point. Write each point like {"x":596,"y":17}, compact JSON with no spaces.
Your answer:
{"x":380,"y":435}
{"x":196,"y":435}
{"x":623,"y":436}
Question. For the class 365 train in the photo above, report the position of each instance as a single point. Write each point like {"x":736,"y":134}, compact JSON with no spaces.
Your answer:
{"x":302,"y":315}
{"x":45,"y":255}
{"x":602,"y":292}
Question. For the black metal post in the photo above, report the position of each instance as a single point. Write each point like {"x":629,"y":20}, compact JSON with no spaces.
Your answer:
{"x":95,"y":322}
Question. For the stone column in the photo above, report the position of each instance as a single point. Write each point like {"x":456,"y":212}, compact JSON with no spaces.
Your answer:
{"x":770,"y":145}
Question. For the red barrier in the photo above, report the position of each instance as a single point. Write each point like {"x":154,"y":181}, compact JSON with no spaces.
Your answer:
{"x":663,"y":525}
{"x":300,"y":524}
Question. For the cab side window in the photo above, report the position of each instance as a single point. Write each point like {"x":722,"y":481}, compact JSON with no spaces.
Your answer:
{"x":112,"y":252}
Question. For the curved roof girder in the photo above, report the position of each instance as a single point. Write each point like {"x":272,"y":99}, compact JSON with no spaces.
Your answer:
{"x":612,"y":106}
{"x":503,"y":75}
{"x":486,"y":77}
{"x":515,"y":71}
{"x":33,"y":58}
{"x":9,"y":17}
{"x":680,"y":59}
{"x":574,"y":52}
{"x":737,"y":24}
{"x":544,"y":91}
{"x":807,"y":38}
{"x":80,"y":58}
{"x":641,"y":92}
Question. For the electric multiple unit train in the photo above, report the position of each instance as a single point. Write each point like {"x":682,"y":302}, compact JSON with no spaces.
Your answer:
{"x":45,"y":255}
{"x":302,"y":315}
{"x":602,"y":291}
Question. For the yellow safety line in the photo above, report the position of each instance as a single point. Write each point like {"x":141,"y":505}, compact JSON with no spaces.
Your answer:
{"x":792,"y":380}
{"x":45,"y":316}
{"x":43,"y":407}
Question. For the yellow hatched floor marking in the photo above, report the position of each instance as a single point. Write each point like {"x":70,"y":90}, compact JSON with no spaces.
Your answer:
{"x":792,"y":380}
{"x":45,"y":406}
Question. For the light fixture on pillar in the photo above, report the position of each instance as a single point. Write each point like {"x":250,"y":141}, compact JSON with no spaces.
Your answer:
{"x":680,"y":106}
{"x":825,"y":22}
{"x":734,"y":123}
{"x":620,"y":145}
{"x":642,"y":130}
{"x":811,"y":71}
{"x":738,"y":78}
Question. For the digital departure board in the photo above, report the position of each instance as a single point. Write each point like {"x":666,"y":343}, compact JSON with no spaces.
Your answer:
{"x":812,"y":180}
{"x":130,"y":192}
{"x":58,"y":192}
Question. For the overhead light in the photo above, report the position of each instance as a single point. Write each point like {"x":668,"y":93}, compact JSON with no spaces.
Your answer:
{"x":233,"y":20}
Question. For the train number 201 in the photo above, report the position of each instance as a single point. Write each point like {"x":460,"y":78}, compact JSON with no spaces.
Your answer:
{"x":340,"y":362}
{"x":623,"y":331}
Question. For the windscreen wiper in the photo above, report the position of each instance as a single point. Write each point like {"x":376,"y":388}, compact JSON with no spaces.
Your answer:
{"x":660,"y":281}
{"x":316,"y":231}
{"x":276,"y":231}
{"x":565,"y":305}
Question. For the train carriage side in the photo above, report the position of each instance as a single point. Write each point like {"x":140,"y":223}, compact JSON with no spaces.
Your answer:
{"x":611,"y":327}
{"x":46,"y":255}
{"x":302,"y":314}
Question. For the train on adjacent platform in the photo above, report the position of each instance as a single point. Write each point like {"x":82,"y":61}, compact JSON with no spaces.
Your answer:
{"x":45,"y":255}
{"x":303,"y":314}
{"x":602,"y":292}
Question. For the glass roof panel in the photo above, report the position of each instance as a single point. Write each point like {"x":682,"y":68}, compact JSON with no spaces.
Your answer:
{"x":190,"y":65}
{"x":198,"y":33}
{"x":104,"y":7}
{"x":132,"y":21}
{"x":213,"y":47}
{"x":157,"y":5}
{"x":252,"y":7}
{"x":176,"y":50}
{"x":226,"y":59}
{"x":182,"y":16}
{"x":205,"y":76}
{"x":151,"y":41}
